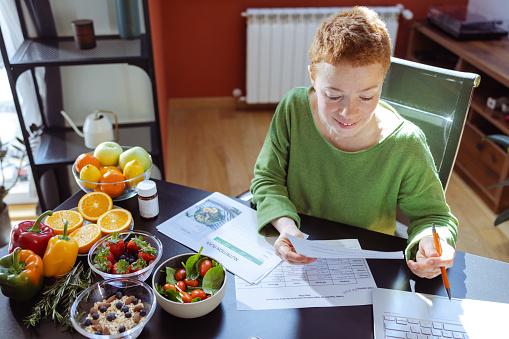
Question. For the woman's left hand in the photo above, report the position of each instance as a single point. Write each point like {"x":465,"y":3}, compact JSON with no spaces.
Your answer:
{"x":427,"y":261}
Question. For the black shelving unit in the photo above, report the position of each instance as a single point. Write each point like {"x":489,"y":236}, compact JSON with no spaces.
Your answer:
{"x":61,"y":146}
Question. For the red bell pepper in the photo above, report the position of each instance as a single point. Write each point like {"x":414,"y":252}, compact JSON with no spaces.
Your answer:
{"x":31,"y":235}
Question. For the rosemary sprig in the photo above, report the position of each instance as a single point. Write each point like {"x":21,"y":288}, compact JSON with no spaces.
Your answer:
{"x":60,"y":296}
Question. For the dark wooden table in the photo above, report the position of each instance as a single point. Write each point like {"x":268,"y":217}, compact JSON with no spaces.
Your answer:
{"x":471,"y":277}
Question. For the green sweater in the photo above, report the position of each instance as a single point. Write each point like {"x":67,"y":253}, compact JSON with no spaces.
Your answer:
{"x":299,"y":171}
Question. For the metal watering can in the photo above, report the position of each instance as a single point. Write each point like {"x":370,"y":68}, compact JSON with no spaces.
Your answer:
{"x":96,"y":129}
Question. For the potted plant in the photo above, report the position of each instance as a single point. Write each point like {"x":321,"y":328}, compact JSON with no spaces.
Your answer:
{"x":4,"y":187}
{"x":502,"y":140}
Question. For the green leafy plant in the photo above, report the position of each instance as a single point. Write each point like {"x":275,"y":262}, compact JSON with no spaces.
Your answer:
{"x":4,"y":157}
{"x":502,"y":140}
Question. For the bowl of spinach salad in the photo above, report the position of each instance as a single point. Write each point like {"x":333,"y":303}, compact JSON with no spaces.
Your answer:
{"x":189,"y":285}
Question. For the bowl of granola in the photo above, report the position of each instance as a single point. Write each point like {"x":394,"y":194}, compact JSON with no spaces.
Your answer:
{"x":113,"y":308}
{"x":127,"y":254}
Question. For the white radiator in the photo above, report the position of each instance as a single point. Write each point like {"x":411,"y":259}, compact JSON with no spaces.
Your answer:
{"x":278,"y":41}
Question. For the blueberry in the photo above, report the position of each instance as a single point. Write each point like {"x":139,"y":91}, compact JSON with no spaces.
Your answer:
{"x":128,"y":314}
{"x":119,"y":305}
{"x":125,"y":308}
{"x":121,"y":329}
{"x":111,"y":316}
{"x":118,"y":295}
{"x":95,"y":316}
{"x":121,"y":257}
{"x":87,"y":322}
{"x":143,"y":313}
{"x":135,"y":301}
{"x":103,"y":309}
{"x":98,"y":332}
{"x":131,"y":260}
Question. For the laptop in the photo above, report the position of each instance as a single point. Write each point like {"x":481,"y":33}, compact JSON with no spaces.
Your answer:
{"x":402,"y":314}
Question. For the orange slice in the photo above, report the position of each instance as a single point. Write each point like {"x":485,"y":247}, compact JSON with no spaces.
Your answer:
{"x":86,"y":236}
{"x":56,"y":221}
{"x":94,"y":204}
{"x":116,"y":220}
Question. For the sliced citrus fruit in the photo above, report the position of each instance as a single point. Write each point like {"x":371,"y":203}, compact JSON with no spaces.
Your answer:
{"x":116,"y":220}
{"x":94,"y":204}
{"x":86,"y":236}
{"x":56,"y":221}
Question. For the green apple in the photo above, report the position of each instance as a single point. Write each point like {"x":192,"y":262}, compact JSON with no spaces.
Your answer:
{"x":135,"y":153}
{"x":108,"y":153}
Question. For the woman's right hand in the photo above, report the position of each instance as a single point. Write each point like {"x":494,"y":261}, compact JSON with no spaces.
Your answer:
{"x":283,"y":247}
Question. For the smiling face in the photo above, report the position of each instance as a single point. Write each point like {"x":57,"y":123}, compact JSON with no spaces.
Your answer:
{"x":345,"y":101}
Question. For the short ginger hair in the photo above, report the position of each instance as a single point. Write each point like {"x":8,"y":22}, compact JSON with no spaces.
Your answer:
{"x":357,"y":36}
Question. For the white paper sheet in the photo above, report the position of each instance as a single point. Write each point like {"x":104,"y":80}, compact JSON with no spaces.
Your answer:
{"x":228,"y":231}
{"x":324,"y":283}
{"x":314,"y":249}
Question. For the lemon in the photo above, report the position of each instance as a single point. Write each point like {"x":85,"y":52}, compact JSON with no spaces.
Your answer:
{"x":91,"y":174}
{"x":133,"y":169}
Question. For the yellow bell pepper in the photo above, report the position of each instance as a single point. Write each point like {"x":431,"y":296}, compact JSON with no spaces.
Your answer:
{"x":60,"y":255}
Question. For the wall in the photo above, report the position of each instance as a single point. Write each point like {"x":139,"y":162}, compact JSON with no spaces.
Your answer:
{"x":491,"y":9}
{"x":204,"y":41}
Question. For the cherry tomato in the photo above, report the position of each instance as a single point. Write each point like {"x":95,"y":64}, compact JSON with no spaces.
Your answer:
{"x":169,"y":286}
{"x":198,"y":294}
{"x":186,"y":298}
{"x":191,"y":282}
{"x":181,"y":285}
{"x":180,"y":274}
{"x":205,"y":266}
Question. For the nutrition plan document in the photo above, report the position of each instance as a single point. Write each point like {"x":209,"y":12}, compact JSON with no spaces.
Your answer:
{"x":326,"y":282}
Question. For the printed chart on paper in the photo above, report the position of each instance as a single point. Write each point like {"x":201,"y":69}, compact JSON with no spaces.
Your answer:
{"x":326,"y":282}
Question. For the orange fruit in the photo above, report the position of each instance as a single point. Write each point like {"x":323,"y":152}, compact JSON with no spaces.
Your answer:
{"x":56,"y":221}
{"x":106,"y":169}
{"x":86,"y":236}
{"x":86,"y":159}
{"x":94,"y":204}
{"x":91,"y":174}
{"x":116,"y":220}
{"x":115,"y":183}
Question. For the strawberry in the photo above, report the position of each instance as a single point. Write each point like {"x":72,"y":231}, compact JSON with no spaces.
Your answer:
{"x":102,"y":263}
{"x":135,"y":244}
{"x":147,"y":253}
{"x":121,"y":267}
{"x":116,"y":245}
{"x":138,"y":265}
{"x":104,"y":254}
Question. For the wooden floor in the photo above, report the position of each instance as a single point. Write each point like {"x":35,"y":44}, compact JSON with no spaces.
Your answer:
{"x":213,"y":146}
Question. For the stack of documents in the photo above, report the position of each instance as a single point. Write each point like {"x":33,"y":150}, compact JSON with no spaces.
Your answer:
{"x":228,"y":232}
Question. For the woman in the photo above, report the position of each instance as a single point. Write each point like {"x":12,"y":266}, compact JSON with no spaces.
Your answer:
{"x":335,"y":151}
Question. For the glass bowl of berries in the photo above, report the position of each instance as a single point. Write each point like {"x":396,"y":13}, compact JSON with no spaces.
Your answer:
{"x":113,"y":308}
{"x":127,"y":254}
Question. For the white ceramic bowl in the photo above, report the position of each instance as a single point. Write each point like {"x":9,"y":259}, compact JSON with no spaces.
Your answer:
{"x":103,"y":290}
{"x":130,"y":189}
{"x":126,"y":235}
{"x":189,"y":310}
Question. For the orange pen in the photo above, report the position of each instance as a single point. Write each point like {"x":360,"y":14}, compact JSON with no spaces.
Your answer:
{"x":439,"y":250}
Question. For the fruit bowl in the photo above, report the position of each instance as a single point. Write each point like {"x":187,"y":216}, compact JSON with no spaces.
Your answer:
{"x":185,"y":310}
{"x":142,"y":274}
{"x":118,"y":191}
{"x":98,"y":292}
